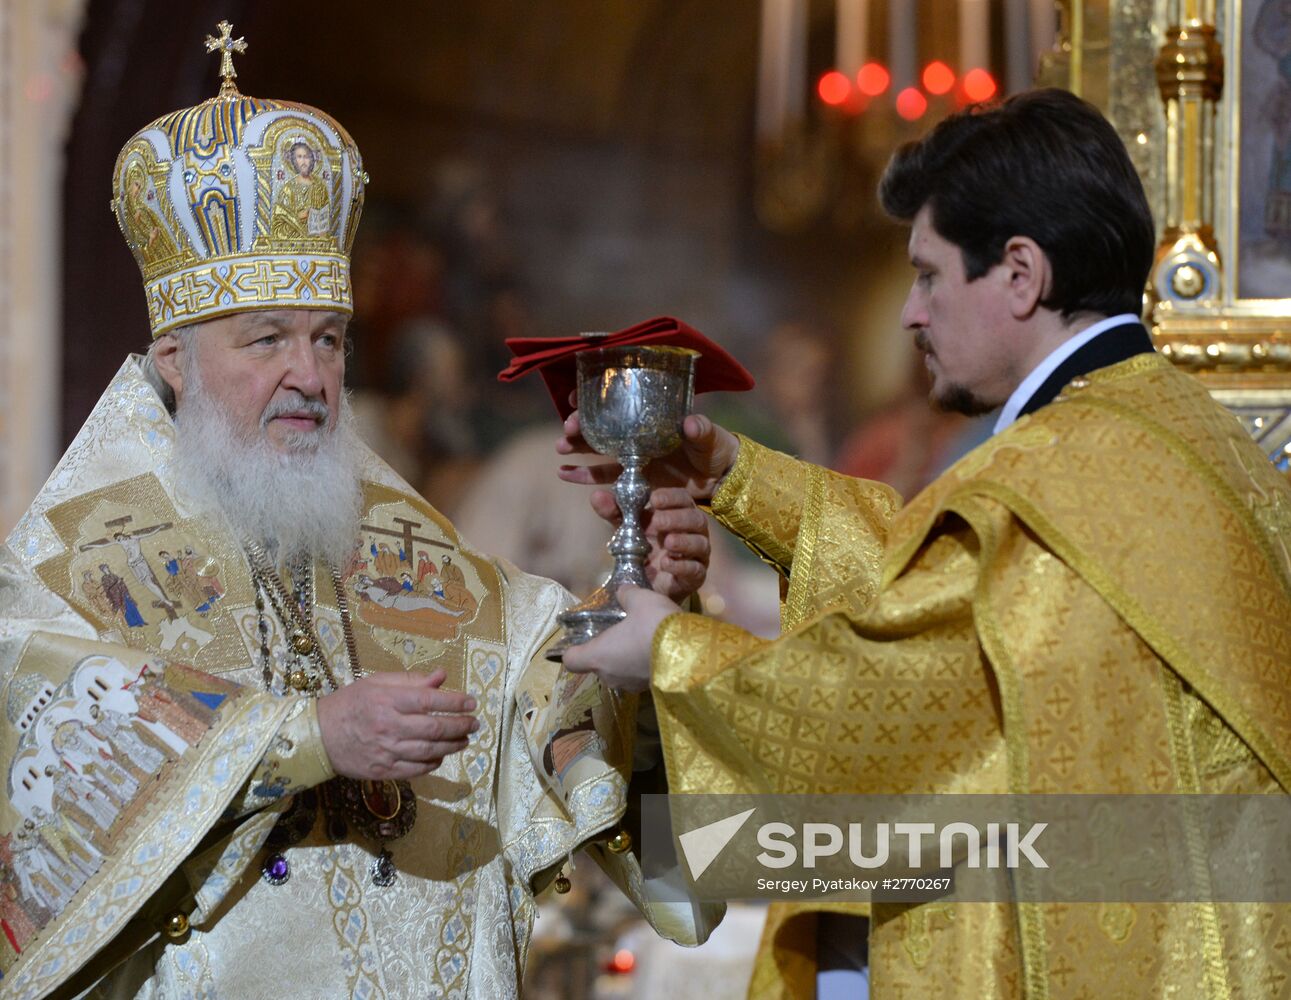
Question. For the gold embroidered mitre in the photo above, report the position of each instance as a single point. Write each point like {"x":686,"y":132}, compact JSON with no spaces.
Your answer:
{"x":239,"y":203}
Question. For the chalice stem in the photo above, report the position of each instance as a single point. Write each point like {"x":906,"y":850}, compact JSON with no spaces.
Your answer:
{"x":629,"y":546}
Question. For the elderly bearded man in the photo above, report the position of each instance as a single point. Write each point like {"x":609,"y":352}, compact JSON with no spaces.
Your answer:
{"x":360,"y":789}
{"x":1098,"y":599}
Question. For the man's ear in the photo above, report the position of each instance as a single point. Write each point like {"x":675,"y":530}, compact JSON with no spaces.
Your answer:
{"x":1030,"y":276}
{"x":166,"y":351}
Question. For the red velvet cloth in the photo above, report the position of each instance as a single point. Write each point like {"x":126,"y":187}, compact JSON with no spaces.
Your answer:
{"x":553,"y":357}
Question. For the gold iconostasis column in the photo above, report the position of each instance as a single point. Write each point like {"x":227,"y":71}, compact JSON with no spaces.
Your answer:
{"x":1215,"y":157}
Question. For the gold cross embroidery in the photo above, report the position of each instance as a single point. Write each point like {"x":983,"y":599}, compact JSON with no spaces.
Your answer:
{"x":226,"y":45}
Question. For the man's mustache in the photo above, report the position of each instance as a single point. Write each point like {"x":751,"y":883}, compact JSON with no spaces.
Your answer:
{"x":921,"y":342}
{"x":315,"y":408}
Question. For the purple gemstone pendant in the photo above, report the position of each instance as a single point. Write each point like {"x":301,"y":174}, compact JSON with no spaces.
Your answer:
{"x":275,"y":869}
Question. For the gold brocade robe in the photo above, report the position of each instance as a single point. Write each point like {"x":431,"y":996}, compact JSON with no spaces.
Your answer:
{"x":1097,"y":600}
{"x":151,"y":765}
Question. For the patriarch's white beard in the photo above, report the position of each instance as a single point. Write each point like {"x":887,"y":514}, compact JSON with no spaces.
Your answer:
{"x":302,"y":503}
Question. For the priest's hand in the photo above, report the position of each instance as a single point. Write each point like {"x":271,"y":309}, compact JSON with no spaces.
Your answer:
{"x":705,"y":456}
{"x":620,"y":656}
{"x":394,"y":725}
{"x":678,"y":533}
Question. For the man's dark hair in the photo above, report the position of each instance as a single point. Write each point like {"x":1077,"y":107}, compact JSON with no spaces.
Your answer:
{"x":1043,"y":164}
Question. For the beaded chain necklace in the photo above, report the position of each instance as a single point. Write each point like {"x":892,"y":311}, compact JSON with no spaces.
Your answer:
{"x":379,"y":810}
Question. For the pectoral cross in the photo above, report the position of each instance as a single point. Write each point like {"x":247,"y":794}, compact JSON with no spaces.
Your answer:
{"x":226,"y":45}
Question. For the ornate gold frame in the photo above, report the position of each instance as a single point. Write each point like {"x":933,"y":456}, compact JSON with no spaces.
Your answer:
{"x":1187,"y":146}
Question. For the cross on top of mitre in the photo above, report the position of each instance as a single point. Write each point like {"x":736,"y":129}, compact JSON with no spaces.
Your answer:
{"x":226,"y":45}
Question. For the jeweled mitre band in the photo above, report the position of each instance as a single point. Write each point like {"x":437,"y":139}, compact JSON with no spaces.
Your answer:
{"x":230,"y":285}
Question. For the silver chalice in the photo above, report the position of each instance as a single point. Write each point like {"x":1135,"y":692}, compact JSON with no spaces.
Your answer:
{"x":631,"y":402}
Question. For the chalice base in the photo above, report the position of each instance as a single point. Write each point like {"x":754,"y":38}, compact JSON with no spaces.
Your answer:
{"x":587,"y":620}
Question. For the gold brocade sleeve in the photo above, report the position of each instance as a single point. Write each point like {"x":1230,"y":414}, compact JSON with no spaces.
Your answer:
{"x":838,"y":559}
{"x":131,"y":808}
{"x":295,"y":761}
{"x":900,"y":700}
{"x":808,"y":523}
{"x":836,"y":704}
{"x":689,"y":651}
{"x":760,"y":501}
{"x":595,"y":752}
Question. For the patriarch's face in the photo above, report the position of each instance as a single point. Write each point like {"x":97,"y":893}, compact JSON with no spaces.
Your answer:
{"x":276,"y":374}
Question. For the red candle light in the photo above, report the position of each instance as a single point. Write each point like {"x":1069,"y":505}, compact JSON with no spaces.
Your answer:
{"x":834,"y":88}
{"x":873,"y":79}
{"x":938,"y":78}
{"x":979,"y":85}
{"x":911,"y":104}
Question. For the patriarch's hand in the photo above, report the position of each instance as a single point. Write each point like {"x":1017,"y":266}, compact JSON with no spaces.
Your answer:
{"x":394,"y":725}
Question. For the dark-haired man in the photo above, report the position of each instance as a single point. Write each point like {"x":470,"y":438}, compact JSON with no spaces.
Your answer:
{"x":1068,"y":609}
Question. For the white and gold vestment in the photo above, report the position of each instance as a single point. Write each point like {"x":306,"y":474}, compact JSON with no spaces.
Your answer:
{"x":148,"y":767}
{"x":172,"y":826}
